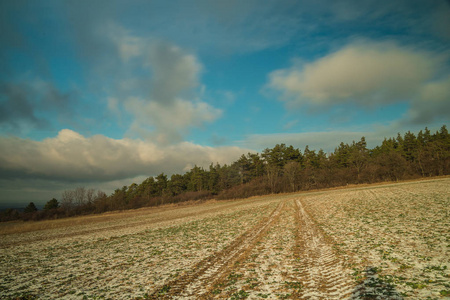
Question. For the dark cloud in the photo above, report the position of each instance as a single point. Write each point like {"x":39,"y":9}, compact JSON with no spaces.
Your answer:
{"x":17,"y":109}
{"x":25,"y":105}
{"x":88,"y":23}
{"x":9,"y":33}
{"x":223,"y":27}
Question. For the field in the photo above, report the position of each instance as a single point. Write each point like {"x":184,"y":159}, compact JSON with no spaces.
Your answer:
{"x":374,"y":242}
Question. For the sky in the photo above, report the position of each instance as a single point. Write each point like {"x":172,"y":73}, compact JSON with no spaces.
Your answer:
{"x":102,"y":94}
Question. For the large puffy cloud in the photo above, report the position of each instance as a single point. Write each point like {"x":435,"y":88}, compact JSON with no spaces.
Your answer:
{"x":362,"y":73}
{"x":41,"y":170}
{"x":72,"y":157}
{"x":366,"y":74}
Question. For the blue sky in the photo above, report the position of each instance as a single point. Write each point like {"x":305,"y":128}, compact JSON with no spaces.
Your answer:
{"x":105,"y":93}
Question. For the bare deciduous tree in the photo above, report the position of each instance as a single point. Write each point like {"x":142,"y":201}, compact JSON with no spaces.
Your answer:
{"x":80,"y":196}
{"x":273,"y":172}
{"x":291,"y":172}
{"x":68,"y":199}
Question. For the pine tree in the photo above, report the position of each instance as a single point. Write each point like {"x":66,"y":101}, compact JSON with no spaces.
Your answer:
{"x":31,"y":208}
{"x":51,"y":204}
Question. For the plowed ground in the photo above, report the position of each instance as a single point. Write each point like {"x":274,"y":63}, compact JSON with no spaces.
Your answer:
{"x":381,"y":242}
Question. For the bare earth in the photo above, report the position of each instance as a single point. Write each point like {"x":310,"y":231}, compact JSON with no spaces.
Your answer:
{"x":374,"y":242}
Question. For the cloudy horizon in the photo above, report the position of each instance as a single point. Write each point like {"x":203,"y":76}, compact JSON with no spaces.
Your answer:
{"x":106,"y":93}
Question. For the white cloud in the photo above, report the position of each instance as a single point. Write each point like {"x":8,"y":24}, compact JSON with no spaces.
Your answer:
{"x":71,"y":157}
{"x":169,"y":70}
{"x":364,"y":74}
{"x":160,"y":91}
{"x":168,"y":123}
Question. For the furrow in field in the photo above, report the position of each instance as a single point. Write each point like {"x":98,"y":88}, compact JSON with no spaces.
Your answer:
{"x":200,"y":280}
{"x":323,"y":275}
{"x":127,"y":266}
{"x":396,"y":237}
{"x":265,"y":271}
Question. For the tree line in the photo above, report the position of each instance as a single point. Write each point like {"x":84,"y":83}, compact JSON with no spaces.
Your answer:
{"x":275,"y":170}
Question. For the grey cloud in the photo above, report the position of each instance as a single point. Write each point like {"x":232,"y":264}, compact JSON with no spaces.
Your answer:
{"x":219,"y":27}
{"x":441,"y":19}
{"x":89,"y":22}
{"x":23,"y":105}
{"x":17,"y":110}
{"x":226,"y":27}
{"x":431,"y":105}
{"x":411,"y":18}
{"x":165,"y":70}
{"x":174,"y":72}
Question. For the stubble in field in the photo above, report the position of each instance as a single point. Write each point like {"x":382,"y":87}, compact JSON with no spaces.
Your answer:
{"x":385,"y":242}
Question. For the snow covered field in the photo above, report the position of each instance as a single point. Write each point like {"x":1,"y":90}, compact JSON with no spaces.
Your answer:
{"x":386,"y":241}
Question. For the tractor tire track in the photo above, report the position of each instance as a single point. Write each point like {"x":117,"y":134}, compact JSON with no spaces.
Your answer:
{"x":323,"y":275}
{"x":200,"y":281}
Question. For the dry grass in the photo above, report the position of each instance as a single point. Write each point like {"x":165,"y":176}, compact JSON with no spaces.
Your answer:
{"x":29,"y":226}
